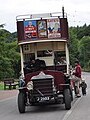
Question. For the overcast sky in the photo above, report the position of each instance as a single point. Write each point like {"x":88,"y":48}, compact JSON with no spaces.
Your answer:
{"x":78,"y":10}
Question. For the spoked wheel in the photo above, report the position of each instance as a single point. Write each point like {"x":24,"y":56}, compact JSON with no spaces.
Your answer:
{"x":21,"y":102}
{"x":67,"y":99}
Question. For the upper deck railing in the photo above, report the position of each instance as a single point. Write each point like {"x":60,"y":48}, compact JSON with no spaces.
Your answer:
{"x":41,"y":16}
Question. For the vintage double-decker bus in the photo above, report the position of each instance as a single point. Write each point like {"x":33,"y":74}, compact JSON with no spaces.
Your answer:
{"x":43,"y":41}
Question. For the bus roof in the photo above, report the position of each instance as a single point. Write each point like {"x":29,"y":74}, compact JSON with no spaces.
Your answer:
{"x":39,"y":16}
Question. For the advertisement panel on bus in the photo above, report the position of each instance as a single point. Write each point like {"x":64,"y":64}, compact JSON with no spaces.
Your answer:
{"x":30,"y":29}
{"x":54,"y":30}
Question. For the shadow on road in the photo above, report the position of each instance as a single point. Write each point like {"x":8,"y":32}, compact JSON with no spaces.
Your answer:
{"x":45,"y":108}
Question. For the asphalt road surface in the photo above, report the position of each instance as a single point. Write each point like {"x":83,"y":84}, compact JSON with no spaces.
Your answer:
{"x":80,"y":109}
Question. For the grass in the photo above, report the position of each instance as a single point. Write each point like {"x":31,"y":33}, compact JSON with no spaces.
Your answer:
{"x":1,"y":86}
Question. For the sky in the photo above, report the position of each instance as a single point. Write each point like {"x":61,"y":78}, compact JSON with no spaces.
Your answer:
{"x":78,"y":11}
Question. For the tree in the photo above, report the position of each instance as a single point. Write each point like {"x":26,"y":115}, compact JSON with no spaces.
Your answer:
{"x":9,"y":54}
{"x":73,"y":48}
{"x":80,"y":44}
{"x":5,"y":68}
{"x":84,"y":51}
{"x":14,"y":56}
{"x":2,"y":25}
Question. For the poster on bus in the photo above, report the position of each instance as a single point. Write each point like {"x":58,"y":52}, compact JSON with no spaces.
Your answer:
{"x":30,"y":29}
{"x":42,"y":29}
{"x":53,"y":26}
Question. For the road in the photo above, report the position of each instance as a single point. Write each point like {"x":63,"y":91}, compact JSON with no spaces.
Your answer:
{"x":80,"y":109}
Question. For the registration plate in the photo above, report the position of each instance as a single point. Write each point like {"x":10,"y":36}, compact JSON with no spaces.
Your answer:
{"x":43,"y":99}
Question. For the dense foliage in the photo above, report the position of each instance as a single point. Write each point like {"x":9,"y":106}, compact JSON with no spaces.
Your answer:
{"x":9,"y":55}
{"x":80,"y":45}
{"x":79,"y":48}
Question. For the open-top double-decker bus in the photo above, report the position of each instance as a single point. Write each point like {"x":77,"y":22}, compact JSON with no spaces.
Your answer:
{"x":43,"y":41}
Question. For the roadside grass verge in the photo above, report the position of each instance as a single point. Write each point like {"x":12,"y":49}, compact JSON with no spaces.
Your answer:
{"x":1,"y":86}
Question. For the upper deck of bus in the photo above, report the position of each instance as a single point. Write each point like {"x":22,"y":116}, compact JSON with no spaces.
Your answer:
{"x":33,"y":28}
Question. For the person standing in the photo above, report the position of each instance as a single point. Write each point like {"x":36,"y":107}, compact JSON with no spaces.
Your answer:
{"x":77,"y":78}
{"x":83,"y":85}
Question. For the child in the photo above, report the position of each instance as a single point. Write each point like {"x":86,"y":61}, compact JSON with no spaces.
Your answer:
{"x":84,"y":86}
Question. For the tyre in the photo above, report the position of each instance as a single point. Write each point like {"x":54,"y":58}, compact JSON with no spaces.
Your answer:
{"x":67,"y":99}
{"x":71,"y":93}
{"x":21,"y":102}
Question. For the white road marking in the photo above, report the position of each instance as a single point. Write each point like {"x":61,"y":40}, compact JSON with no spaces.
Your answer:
{"x":71,"y":110}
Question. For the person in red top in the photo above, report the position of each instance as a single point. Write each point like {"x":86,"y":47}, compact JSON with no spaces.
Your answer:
{"x":77,"y":69}
{"x":77,"y":78}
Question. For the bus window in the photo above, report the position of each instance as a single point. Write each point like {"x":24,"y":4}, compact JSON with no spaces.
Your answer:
{"x":60,"y":57}
{"x":26,"y":47}
{"x":44,"y":53}
{"x":29,"y":57}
